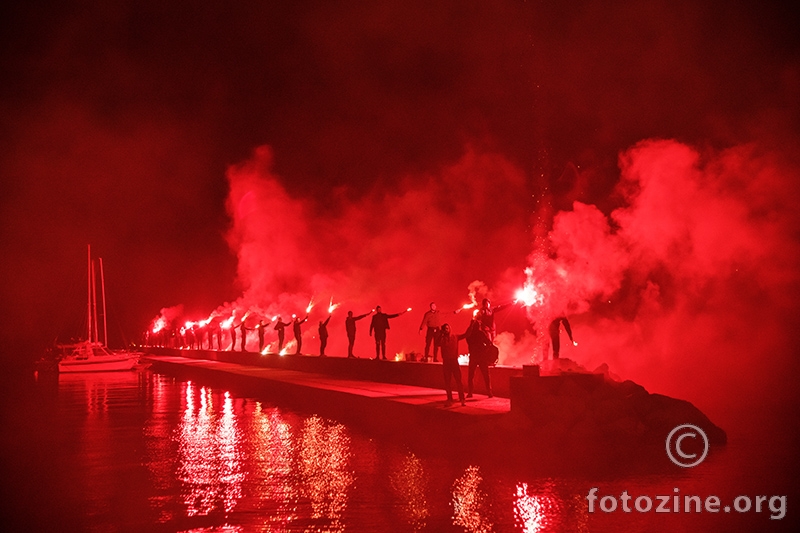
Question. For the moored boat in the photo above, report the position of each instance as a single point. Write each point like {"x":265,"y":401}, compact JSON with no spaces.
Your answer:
{"x":92,"y":355}
{"x":95,"y":357}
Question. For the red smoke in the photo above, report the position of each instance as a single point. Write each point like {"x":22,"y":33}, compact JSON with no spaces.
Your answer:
{"x":686,"y":289}
{"x":404,"y":249}
{"x":690,"y":287}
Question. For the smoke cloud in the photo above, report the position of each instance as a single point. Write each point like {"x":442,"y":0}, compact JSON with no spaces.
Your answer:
{"x":687,"y":287}
{"x":427,"y":240}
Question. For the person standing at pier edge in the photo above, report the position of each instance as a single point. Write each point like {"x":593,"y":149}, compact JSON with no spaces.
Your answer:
{"x":479,"y":344}
{"x":260,"y":330}
{"x":448,"y":341}
{"x":244,"y":330}
{"x":350,"y":326}
{"x":432,"y":320}
{"x":323,"y":335}
{"x":554,"y":327}
{"x":280,"y":327}
{"x":233,"y":336}
{"x":298,"y":335}
{"x":379,"y":324}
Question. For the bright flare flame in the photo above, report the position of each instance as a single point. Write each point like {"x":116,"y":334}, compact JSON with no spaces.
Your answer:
{"x":310,"y":305}
{"x":159,"y":324}
{"x":289,"y":346}
{"x":468,"y":306}
{"x":227,"y":323}
{"x":409,"y":309}
{"x":332,"y":306}
{"x":528,"y":295}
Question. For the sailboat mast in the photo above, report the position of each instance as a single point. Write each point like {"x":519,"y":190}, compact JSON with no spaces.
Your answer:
{"x":89,"y":295}
{"x":103,"y":294}
{"x":94,"y":304}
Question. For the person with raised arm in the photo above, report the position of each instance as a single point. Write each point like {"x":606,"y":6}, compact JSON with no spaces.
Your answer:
{"x":350,"y":326}
{"x":280,"y":327}
{"x":380,"y":324}
{"x":298,"y":335}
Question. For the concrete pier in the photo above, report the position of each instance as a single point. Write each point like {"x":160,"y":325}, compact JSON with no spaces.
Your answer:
{"x":410,"y":413}
{"x":427,"y":375}
{"x":407,"y":399}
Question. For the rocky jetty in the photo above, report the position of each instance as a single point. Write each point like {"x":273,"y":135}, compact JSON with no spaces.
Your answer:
{"x":576,"y":406}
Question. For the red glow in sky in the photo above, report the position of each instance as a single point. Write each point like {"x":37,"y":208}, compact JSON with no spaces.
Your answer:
{"x":256,"y":156}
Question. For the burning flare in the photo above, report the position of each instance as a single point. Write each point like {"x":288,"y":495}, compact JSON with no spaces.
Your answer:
{"x":529,"y":293}
{"x":332,"y":306}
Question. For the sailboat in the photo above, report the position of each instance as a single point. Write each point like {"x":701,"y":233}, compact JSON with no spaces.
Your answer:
{"x":92,"y":355}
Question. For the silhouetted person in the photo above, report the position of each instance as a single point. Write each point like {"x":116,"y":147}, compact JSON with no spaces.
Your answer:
{"x":555,"y":341}
{"x":260,"y":330}
{"x":243,"y":329}
{"x":479,"y":345}
{"x":485,"y":317}
{"x":432,"y":320}
{"x":200,"y":333}
{"x":298,"y":335}
{"x":280,"y":327}
{"x":213,"y":331}
{"x":188,"y":337}
{"x":350,"y":326}
{"x":379,"y":324}
{"x":233,"y":336}
{"x":448,"y":341}
{"x":323,"y":335}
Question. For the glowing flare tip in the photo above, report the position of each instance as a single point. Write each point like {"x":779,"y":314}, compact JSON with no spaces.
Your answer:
{"x":332,"y":306}
{"x":528,"y":295}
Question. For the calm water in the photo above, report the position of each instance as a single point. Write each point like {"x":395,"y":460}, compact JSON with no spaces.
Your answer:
{"x":140,"y":451}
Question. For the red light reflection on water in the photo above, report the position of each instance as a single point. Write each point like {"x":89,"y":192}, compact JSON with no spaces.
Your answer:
{"x":470,"y":509}
{"x":312,"y":467}
{"x":272,"y":454}
{"x":209,"y":455}
{"x":529,"y":510}
{"x":324,"y":465}
{"x":409,"y":483}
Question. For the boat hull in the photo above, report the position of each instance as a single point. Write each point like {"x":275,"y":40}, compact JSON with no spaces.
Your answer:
{"x":100,"y":363}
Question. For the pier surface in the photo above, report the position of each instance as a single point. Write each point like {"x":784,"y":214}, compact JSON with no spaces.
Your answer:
{"x":324,"y":386}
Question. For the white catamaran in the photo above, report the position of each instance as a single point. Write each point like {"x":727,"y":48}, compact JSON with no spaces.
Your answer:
{"x":92,"y":355}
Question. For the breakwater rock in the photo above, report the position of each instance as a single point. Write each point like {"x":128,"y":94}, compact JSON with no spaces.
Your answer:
{"x":579,"y":407}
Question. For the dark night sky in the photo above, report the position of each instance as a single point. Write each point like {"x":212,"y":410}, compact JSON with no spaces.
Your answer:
{"x":121,"y":118}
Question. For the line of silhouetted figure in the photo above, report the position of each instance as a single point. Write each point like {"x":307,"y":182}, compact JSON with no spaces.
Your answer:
{"x":439,"y":339}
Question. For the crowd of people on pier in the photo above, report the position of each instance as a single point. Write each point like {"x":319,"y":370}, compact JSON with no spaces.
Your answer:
{"x":440,"y":339}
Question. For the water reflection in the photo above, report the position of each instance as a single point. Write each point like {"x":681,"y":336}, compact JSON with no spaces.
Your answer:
{"x":272,"y":451}
{"x":532,"y":512}
{"x":324,"y":465}
{"x":410,"y":485}
{"x":470,"y":507}
{"x":209,"y":454}
{"x":215,"y":459}
{"x":540,"y":507}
